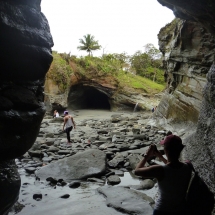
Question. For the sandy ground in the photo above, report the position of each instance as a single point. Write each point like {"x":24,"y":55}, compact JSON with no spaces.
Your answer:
{"x":97,"y":114}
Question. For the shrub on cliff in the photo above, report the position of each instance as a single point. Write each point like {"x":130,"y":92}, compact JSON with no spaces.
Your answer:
{"x":115,"y":69}
{"x":60,"y":72}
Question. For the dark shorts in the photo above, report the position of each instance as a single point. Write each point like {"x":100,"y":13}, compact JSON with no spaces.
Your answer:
{"x":68,"y":129}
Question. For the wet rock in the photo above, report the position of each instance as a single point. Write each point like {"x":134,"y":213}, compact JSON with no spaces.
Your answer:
{"x":109,"y":174}
{"x":97,"y":143}
{"x":147,"y":184}
{"x":102,"y":131}
{"x":113,"y":179}
{"x":5,"y":104}
{"x":134,"y":160}
{"x":127,"y":201}
{"x":48,"y":135}
{"x":52,"y":149}
{"x":117,"y":160}
{"x":65,"y":196}
{"x":115,"y":118}
{"x":37,"y":196}
{"x":75,"y":184}
{"x":126,"y":164}
{"x":37,"y":153}
{"x":63,"y":183}
{"x":118,"y":172}
{"x":122,"y":147}
{"x":47,"y":159}
{"x":10,"y":183}
{"x":49,"y":141}
{"x":63,"y":152}
{"x":30,"y":169}
{"x":79,"y":166}
{"x":52,"y":180}
{"x":97,"y":180}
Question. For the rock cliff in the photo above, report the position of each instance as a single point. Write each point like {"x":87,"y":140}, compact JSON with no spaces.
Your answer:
{"x":25,"y":43}
{"x":95,"y":89}
{"x":189,"y":49}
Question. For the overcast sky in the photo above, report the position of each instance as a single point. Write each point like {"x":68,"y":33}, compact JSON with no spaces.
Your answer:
{"x":118,"y":25}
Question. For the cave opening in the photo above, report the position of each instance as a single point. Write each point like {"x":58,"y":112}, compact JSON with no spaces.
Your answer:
{"x":87,"y":97}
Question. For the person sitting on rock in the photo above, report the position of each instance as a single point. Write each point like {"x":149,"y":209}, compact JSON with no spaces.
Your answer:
{"x":173,"y":178}
{"x":68,"y":125}
{"x":56,"y":114}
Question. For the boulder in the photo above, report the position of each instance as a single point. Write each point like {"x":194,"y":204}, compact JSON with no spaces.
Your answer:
{"x":127,"y":201}
{"x":82,"y":165}
{"x":113,"y":179}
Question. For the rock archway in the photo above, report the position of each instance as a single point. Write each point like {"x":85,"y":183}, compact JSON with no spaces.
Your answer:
{"x":87,"y":97}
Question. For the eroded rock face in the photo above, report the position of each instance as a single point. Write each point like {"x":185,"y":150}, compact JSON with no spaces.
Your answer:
{"x":201,"y":11}
{"x":98,"y":93}
{"x":190,"y":57}
{"x":25,"y":43}
{"x":188,"y":54}
{"x":201,"y":145}
{"x":9,"y":185}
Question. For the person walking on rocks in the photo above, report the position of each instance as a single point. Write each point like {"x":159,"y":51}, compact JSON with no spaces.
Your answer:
{"x":68,"y":125}
{"x":173,"y":178}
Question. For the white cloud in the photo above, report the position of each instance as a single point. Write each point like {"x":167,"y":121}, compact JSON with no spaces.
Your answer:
{"x":118,"y":25}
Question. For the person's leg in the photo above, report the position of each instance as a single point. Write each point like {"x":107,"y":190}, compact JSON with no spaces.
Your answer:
{"x":68,"y":135}
{"x":70,"y":129}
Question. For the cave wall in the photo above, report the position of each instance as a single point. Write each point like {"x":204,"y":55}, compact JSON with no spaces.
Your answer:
{"x":54,"y":99}
{"x":191,"y":54}
{"x":105,"y":88}
{"x":188,"y":50}
{"x":25,"y":44}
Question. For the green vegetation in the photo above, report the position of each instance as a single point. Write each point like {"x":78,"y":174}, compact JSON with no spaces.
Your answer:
{"x":141,"y":71}
{"x":138,"y":82}
{"x":89,"y":44}
{"x":148,"y":64}
{"x":169,"y":28}
{"x":60,"y":72}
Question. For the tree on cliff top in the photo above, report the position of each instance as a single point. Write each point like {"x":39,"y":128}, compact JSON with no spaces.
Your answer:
{"x":89,"y":44}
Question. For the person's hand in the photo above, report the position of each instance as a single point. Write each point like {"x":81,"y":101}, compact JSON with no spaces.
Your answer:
{"x":156,"y":152}
{"x":150,"y":151}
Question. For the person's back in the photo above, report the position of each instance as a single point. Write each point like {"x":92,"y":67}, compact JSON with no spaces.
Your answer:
{"x":173,"y":178}
{"x":69,"y":122}
{"x":172,"y":188}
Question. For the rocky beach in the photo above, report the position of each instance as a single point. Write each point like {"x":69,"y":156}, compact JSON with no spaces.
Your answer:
{"x":93,"y":175}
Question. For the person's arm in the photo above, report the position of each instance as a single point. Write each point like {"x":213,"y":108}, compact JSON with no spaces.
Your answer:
{"x":155,"y":171}
{"x":73,"y":122}
{"x":159,"y":155}
{"x":65,"y":120}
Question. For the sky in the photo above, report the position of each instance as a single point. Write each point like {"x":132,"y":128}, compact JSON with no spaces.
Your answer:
{"x":119,"y":26}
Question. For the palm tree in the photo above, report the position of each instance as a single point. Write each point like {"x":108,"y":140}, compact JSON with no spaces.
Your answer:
{"x":89,"y":44}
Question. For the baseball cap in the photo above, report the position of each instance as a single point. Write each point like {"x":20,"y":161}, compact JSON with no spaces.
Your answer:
{"x":65,"y":112}
{"x":173,"y":142}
